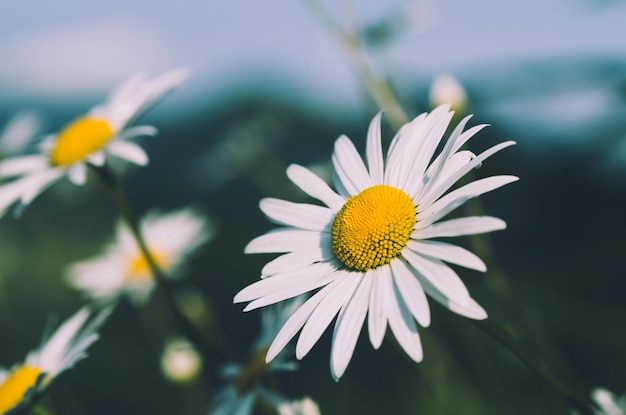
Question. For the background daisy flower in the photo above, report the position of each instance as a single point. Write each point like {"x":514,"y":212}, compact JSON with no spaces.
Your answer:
{"x":68,"y":345}
{"x":245,"y":381}
{"x":122,"y":268}
{"x":370,"y":249}
{"x":88,"y":139}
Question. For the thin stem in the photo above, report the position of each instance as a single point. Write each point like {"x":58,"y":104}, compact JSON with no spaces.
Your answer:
{"x":378,"y":89}
{"x":581,"y":401}
{"x":116,"y":191}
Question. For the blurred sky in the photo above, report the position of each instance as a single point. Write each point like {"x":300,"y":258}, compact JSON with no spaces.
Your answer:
{"x":75,"y":49}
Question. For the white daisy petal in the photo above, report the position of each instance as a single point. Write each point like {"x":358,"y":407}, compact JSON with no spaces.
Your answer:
{"x":448,"y":253}
{"x":287,"y":240}
{"x":401,"y":322}
{"x":292,"y":291}
{"x":315,"y":187}
{"x":300,"y":215}
{"x":325,"y":312}
{"x":471,"y":310}
{"x":339,"y":187}
{"x":377,"y":317}
{"x":349,"y":166}
{"x":297,"y":320}
{"x":436,"y":167}
{"x":440,"y":189}
{"x":411,"y":291}
{"x":22,"y":165}
{"x":471,"y":225}
{"x":32,"y":185}
{"x":138,"y":131}
{"x":348,"y":326}
{"x":374,"y":151}
{"x":296,"y":260}
{"x":128,"y":151}
{"x":271,"y":285}
{"x":77,"y":174}
{"x":441,"y":276}
{"x":97,"y":159}
{"x":431,"y":213}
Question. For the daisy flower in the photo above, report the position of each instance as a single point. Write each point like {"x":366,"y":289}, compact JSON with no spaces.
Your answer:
{"x":607,"y":403}
{"x":369,"y":248}
{"x":122,"y":268}
{"x":68,"y":345}
{"x":89,"y":139}
{"x":245,"y":381}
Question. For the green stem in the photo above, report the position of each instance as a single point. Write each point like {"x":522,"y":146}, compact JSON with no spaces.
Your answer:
{"x":378,"y":89}
{"x":581,"y":401}
{"x":204,"y":343}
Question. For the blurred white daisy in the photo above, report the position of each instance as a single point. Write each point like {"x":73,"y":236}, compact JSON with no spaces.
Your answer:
{"x":89,"y":139}
{"x":608,"y":403}
{"x":122,"y":269}
{"x":305,"y":406}
{"x":68,"y":345}
{"x":180,"y":361}
{"x":245,"y":387}
{"x":370,"y":247}
{"x":446,"y":88}
{"x":18,"y":133}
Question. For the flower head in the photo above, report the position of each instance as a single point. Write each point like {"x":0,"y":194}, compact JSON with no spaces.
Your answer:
{"x":180,"y":361}
{"x":370,"y":248}
{"x":122,"y":269}
{"x":68,"y":345}
{"x":89,"y":139}
{"x":245,"y":381}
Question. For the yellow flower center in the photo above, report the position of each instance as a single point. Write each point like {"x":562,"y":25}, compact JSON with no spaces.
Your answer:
{"x":13,"y":389}
{"x":139,"y":269}
{"x":373,"y":227}
{"x":80,"y":139}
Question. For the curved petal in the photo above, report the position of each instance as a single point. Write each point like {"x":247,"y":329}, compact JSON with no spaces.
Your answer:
{"x":77,"y":174}
{"x":17,"y":166}
{"x":401,"y":323}
{"x":348,"y":327}
{"x":315,"y":187}
{"x":287,"y":240}
{"x":374,"y":151}
{"x":471,"y":310}
{"x":97,"y":159}
{"x":431,"y":213}
{"x":297,"y":320}
{"x":411,"y":291}
{"x":326,"y":310}
{"x":349,"y":166}
{"x":377,"y":316}
{"x":267,"y":286}
{"x":441,"y":276}
{"x":470,"y":225}
{"x":300,"y":215}
{"x":438,"y":190}
{"x":128,"y":151}
{"x":448,"y":253}
{"x":296,"y":260}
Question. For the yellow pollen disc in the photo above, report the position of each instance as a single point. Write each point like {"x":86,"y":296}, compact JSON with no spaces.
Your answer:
{"x":373,"y":227}
{"x":79,"y":139}
{"x":139,"y":270}
{"x":14,"y":388}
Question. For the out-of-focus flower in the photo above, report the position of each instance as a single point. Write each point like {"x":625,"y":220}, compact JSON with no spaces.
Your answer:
{"x":447,"y":89}
{"x":180,"y":361}
{"x":305,"y":406}
{"x":370,"y":247}
{"x":608,"y":403}
{"x":245,"y":381}
{"x":68,"y":345}
{"x":88,"y":139}
{"x":18,"y":133}
{"x":122,"y":269}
